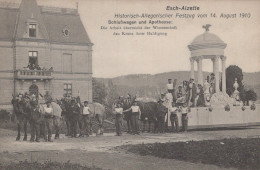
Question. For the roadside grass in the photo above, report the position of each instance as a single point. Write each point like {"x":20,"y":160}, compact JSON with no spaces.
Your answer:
{"x":25,"y":165}
{"x":238,"y":153}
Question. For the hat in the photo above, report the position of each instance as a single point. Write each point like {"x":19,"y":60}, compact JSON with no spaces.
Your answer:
{"x":86,"y":102}
{"x":169,"y":79}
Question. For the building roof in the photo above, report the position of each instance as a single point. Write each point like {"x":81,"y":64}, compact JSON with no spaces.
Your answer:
{"x":56,"y":24}
{"x":52,"y":22}
{"x":7,"y":20}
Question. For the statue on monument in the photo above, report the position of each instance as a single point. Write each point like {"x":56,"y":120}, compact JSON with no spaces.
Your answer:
{"x":212,"y":83}
{"x":235,"y":86}
{"x":235,"y":95}
{"x":206,"y":89}
{"x":206,"y":27}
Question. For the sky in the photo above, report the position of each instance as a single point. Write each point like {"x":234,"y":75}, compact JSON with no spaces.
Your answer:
{"x":122,"y":55}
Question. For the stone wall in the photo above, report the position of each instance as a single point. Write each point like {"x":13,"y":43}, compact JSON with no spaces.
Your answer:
{"x":6,"y":72}
{"x":200,"y":118}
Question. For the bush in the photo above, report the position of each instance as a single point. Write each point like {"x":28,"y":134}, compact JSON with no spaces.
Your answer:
{"x":227,"y":108}
{"x":252,"y":107}
{"x":238,"y":153}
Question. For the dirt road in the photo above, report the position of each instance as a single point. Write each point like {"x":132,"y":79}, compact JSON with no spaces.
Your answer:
{"x":99,"y":150}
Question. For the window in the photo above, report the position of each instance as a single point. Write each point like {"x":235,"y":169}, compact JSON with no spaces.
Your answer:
{"x":66,"y":32}
{"x":67,"y":89}
{"x":33,"y":58}
{"x":32,"y":30}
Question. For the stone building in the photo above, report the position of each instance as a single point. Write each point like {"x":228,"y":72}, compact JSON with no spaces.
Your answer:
{"x":43,"y":49}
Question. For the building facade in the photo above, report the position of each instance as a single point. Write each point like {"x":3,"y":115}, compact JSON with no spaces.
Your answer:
{"x":43,"y":49}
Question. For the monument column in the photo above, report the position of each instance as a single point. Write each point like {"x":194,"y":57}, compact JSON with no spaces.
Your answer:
{"x":200,"y":74}
{"x":216,"y":72}
{"x":192,"y":68}
{"x":223,"y":59}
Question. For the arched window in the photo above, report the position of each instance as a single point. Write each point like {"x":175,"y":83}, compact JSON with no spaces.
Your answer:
{"x":33,"y":89}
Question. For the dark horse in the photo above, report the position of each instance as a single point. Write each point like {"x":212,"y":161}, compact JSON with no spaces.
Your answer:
{"x":36,"y":118}
{"x":65,"y":107}
{"x":72,"y":115}
{"x":26,"y":112}
{"x":148,"y":113}
{"x":21,"y":115}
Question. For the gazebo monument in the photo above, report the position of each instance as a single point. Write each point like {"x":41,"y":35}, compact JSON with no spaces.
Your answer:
{"x":208,"y":46}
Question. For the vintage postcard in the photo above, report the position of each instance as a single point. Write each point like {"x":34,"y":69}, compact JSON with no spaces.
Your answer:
{"x":129,"y":84}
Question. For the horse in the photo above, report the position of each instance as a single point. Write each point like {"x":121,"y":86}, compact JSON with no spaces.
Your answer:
{"x":72,"y":117}
{"x":65,"y":105}
{"x":98,"y":113}
{"x":56,"y":118}
{"x":148,"y":114}
{"x":34,"y":117}
{"x":21,"y":116}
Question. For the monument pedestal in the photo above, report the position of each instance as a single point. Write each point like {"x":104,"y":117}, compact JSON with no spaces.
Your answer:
{"x":221,"y":99}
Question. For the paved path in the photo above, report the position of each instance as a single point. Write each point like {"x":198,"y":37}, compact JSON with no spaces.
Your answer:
{"x":99,"y":150}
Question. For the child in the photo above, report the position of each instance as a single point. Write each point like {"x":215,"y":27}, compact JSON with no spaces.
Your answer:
{"x":118,"y":110}
{"x":184,"y":118}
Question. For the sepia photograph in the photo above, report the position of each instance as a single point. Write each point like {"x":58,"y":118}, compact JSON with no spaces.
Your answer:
{"x":129,"y":84}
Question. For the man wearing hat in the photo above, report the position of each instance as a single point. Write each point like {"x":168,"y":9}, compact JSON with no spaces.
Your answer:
{"x":181,"y":98}
{"x":161,"y":112}
{"x":118,"y":111}
{"x":47,"y":97}
{"x":74,"y":117}
{"x":135,"y":116}
{"x":86,"y":120}
{"x":48,"y":117}
{"x":174,"y":118}
{"x":171,"y":88}
{"x":127,"y":115}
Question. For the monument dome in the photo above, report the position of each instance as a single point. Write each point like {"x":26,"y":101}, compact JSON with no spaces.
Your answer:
{"x":207,"y":41}
{"x":207,"y":38}
{"x":208,"y":46}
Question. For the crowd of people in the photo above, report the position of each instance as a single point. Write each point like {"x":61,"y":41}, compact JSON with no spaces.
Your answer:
{"x":175,"y":100}
{"x":194,"y":95}
{"x":32,"y":66}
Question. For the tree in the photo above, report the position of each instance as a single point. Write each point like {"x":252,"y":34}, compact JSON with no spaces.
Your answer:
{"x":233,"y":72}
{"x":112,"y":91}
{"x":251,"y":95}
{"x":99,"y":91}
